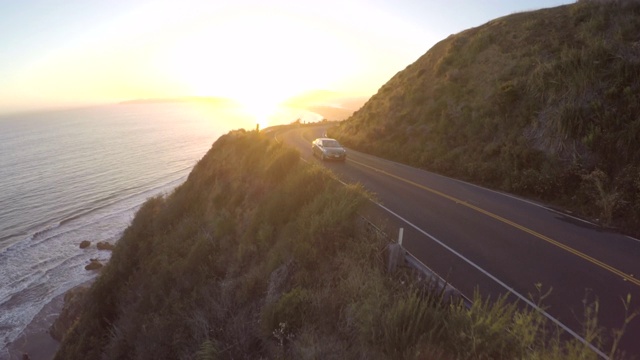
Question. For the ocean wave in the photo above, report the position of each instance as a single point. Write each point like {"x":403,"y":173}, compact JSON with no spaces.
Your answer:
{"x":62,"y":227}
{"x":23,"y":296}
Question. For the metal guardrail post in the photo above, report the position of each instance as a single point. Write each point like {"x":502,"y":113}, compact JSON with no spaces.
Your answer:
{"x":449,"y":291}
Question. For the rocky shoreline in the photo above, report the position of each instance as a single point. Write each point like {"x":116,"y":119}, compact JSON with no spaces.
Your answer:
{"x":35,"y":340}
{"x":40,"y":339}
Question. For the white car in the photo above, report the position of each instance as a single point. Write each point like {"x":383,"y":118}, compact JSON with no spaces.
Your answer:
{"x":328,"y":149}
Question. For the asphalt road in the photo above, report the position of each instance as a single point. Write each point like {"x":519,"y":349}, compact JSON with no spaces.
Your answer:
{"x":498,"y":243}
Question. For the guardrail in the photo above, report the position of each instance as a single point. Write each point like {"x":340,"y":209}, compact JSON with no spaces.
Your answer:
{"x":449,"y":291}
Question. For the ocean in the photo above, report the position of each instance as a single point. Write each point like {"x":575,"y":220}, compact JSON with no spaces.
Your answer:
{"x":81,"y":174}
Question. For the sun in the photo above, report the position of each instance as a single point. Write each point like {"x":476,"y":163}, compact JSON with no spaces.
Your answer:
{"x":254,"y":59}
{"x":261,"y":111}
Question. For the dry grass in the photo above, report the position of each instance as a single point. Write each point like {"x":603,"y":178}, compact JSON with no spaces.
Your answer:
{"x":530,"y":103}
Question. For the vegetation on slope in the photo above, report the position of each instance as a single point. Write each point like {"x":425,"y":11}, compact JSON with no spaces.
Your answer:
{"x":259,"y":256}
{"x":543,"y":103}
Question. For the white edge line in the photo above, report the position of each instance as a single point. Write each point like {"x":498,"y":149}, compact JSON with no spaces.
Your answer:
{"x":514,"y":197}
{"x":632,"y":238}
{"x":507,"y":287}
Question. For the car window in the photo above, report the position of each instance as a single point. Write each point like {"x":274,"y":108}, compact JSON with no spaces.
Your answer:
{"x":330,"y":143}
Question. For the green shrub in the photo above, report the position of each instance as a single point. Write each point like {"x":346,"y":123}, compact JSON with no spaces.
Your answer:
{"x":482,"y":330}
{"x":281,"y":162}
{"x":411,"y":318}
{"x":598,"y":187}
{"x":208,"y":351}
{"x":288,"y":314}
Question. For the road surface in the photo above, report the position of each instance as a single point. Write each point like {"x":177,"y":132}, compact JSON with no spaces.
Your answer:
{"x":477,"y":238}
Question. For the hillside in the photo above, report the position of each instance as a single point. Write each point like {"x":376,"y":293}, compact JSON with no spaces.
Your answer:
{"x":260,"y":256}
{"x":543,"y":103}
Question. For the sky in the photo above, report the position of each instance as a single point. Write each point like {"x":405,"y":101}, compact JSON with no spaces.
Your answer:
{"x":61,"y":53}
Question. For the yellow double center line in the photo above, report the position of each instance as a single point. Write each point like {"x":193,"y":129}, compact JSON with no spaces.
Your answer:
{"x":590,"y":259}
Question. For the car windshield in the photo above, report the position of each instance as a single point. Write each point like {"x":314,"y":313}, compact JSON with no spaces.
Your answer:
{"x":330,"y":143}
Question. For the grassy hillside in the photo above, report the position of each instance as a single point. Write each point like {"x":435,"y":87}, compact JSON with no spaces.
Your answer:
{"x":543,"y":103}
{"x":259,"y":256}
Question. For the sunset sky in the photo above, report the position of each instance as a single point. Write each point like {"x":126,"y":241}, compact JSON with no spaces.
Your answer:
{"x":71,"y":52}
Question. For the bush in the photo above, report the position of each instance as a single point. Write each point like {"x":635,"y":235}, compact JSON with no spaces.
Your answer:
{"x":411,"y":318}
{"x":284,"y":318}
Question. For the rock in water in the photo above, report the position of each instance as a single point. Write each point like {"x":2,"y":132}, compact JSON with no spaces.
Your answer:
{"x":85,"y":244}
{"x":103,"y":245}
{"x":94,"y":265}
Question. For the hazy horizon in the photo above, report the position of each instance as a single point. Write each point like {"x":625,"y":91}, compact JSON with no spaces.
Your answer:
{"x":74,"y":54}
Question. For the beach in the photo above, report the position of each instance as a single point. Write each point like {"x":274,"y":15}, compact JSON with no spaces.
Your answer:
{"x":35,"y":340}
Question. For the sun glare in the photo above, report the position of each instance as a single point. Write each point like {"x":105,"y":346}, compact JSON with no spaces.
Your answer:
{"x":254,"y":59}
{"x":261,"y":110}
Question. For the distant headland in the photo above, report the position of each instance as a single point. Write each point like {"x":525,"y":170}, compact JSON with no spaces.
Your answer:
{"x":196,"y":99}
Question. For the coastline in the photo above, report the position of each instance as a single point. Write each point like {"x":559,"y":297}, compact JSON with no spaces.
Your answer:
{"x":40,"y":231}
{"x":35,"y":339}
